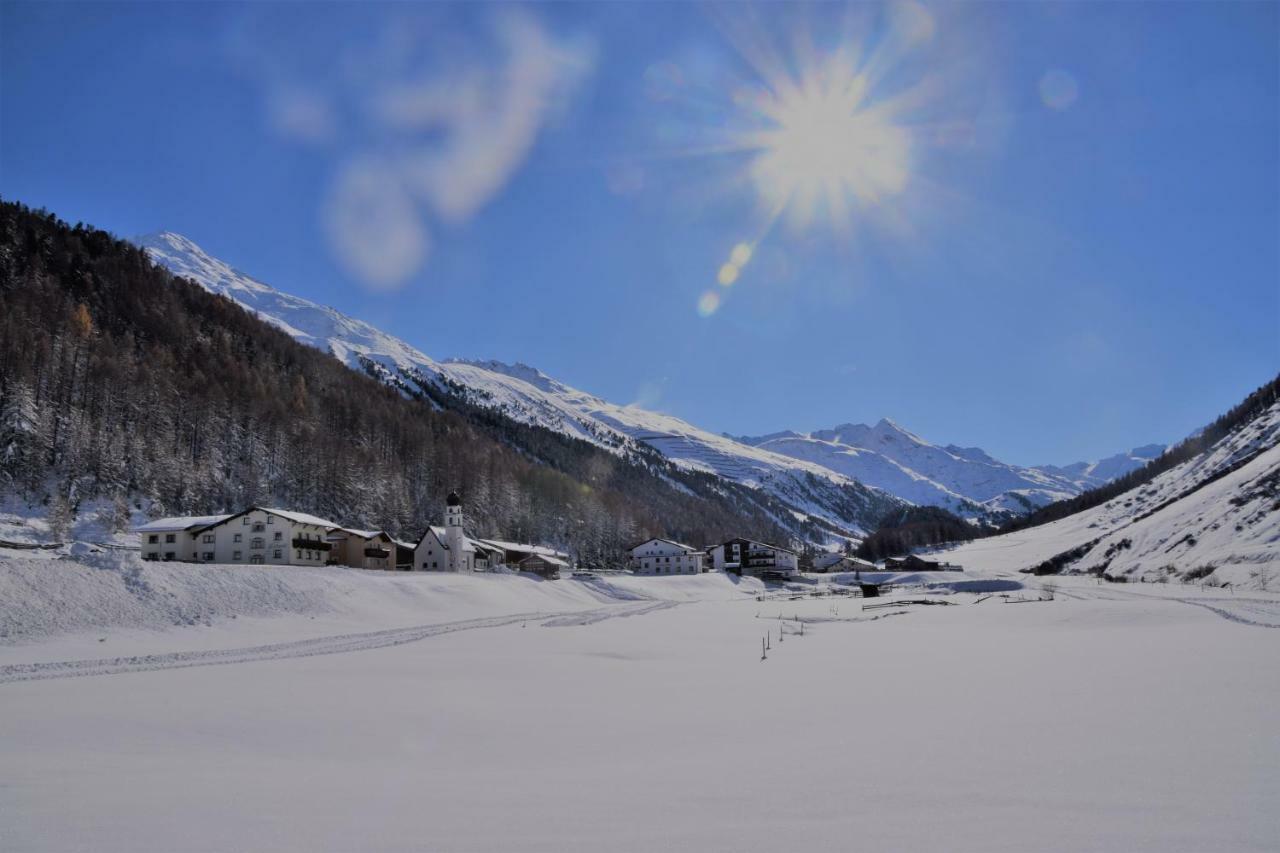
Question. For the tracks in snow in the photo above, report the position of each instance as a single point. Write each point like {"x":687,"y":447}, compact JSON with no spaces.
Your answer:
{"x":338,"y":644}
{"x":1258,"y":612}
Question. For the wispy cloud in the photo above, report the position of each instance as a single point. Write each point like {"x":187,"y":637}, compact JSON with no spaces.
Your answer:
{"x":427,"y":125}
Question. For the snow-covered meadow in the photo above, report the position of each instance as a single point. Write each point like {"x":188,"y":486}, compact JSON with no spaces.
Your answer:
{"x":300,"y":709}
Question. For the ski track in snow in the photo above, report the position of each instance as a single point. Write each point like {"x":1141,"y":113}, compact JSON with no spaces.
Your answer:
{"x":591,"y":617}
{"x":337,"y":644}
{"x":1258,"y":612}
{"x":1262,"y":612}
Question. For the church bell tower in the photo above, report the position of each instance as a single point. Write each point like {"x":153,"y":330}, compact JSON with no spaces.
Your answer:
{"x":454,"y":537}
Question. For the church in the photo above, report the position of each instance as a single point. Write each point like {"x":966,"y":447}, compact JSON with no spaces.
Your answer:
{"x":450,"y":549}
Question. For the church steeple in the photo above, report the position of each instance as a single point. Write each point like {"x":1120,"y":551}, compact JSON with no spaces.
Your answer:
{"x":454,"y":536}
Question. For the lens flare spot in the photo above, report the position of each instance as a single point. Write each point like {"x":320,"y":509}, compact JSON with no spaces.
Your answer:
{"x":740,"y":255}
{"x":1058,"y":89}
{"x":708,"y":303}
{"x":728,"y":274}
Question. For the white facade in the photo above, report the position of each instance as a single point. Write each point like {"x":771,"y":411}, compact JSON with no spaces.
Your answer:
{"x":173,"y":538}
{"x":664,"y":557}
{"x":748,"y":557}
{"x":266,"y":536}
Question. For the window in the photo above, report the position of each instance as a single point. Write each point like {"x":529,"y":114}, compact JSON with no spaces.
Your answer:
{"x":237,"y":538}
{"x":271,"y":519}
{"x":258,"y":543}
{"x":237,"y":556}
{"x":153,"y":539}
{"x":207,"y":538}
{"x":279,"y":536}
{"x":169,"y":538}
{"x":153,"y":555}
{"x":207,"y":555}
{"x":277,"y":554}
{"x":258,"y":527}
{"x":256,"y":559}
{"x":244,"y":520}
{"x":168,"y":555}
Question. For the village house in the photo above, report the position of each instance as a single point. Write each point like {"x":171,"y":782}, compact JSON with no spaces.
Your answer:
{"x":362,"y":549}
{"x":262,"y":535}
{"x":912,"y":563}
{"x":543,"y":565}
{"x":748,"y":557}
{"x":257,"y":535}
{"x":825,"y":563}
{"x":665,"y":557}
{"x":173,"y":538}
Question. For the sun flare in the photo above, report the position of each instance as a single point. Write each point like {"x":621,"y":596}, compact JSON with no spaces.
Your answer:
{"x":825,"y":148}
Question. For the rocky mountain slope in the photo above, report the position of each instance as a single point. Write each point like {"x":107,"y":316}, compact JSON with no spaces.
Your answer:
{"x":965,"y":480}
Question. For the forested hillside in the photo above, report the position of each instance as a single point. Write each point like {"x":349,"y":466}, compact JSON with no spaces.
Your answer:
{"x":119,"y":381}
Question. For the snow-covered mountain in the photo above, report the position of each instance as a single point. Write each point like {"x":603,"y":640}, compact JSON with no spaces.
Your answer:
{"x":838,"y":503}
{"x":823,"y":475}
{"x":1215,"y":517}
{"x":960,"y":479}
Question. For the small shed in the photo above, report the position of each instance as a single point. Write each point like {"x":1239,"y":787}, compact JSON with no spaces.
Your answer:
{"x":544,"y":565}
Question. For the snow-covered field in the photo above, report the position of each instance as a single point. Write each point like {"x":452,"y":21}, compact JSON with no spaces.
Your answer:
{"x":342,"y":710}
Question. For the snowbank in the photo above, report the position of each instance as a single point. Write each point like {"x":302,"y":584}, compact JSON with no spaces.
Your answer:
{"x":82,"y":588}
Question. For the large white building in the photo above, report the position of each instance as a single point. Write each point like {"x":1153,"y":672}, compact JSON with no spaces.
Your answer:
{"x":258,"y":535}
{"x":665,"y":557}
{"x":748,"y":557}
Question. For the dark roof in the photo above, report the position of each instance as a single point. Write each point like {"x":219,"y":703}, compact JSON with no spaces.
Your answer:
{"x":753,"y":542}
{"x":453,"y":499}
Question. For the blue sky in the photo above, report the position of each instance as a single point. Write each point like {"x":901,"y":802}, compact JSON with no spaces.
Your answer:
{"x":1054,"y":237}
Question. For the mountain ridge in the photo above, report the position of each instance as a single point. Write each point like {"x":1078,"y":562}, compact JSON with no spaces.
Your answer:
{"x":810,"y":471}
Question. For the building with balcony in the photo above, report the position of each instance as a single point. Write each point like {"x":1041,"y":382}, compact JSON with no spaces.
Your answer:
{"x":759,"y":559}
{"x":364,"y":549}
{"x":259,"y":535}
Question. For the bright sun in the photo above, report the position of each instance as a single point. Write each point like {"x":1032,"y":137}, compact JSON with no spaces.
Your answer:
{"x":825,"y":147}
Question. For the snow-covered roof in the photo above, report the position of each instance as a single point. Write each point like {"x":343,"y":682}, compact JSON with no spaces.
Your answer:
{"x":520,"y":546}
{"x":181,"y":522}
{"x":301,"y":517}
{"x":547,"y":558}
{"x":687,"y":548}
{"x":363,"y":534}
{"x":754,"y":542}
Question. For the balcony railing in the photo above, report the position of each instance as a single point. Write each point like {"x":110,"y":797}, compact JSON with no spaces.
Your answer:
{"x":379,"y":553}
{"x":312,"y":544}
